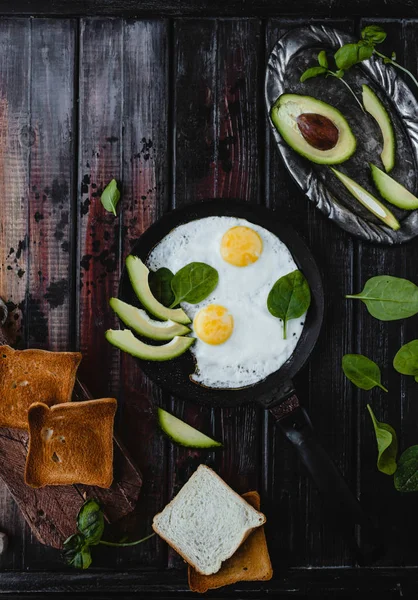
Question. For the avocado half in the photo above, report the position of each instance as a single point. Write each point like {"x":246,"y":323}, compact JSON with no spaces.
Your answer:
{"x":138,"y":275}
{"x":289,"y":107}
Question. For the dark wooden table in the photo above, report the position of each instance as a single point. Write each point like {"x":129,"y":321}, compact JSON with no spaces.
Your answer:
{"x":173,"y":108}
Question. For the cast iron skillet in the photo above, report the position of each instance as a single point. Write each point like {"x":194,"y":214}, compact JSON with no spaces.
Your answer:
{"x":276,"y":393}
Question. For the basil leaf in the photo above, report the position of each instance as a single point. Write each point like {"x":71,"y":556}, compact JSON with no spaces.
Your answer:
{"x":90,"y":522}
{"x":373,"y":34}
{"x":406,"y":476}
{"x":351,"y":54}
{"x":160,"y":285}
{"x":362,"y":371}
{"x":193,"y":283}
{"x":110,"y":196}
{"x":387,"y":445}
{"x":389,"y":298}
{"x":312,"y":72}
{"x":322,"y":59}
{"x":406,"y":359}
{"x":76,"y":552}
{"x":289,"y":298}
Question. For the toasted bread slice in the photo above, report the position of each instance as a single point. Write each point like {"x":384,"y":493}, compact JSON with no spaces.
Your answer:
{"x":71,"y":443}
{"x":251,"y":562}
{"x":28,"y":376}
{"x":207,"y":521}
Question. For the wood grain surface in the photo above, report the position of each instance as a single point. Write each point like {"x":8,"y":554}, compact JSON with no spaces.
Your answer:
{"x":174,"y":110}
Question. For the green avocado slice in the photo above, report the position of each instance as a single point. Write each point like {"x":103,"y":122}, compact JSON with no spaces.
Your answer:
{"x":184,"y":434}
{"x":138,"y":320}
{"x":284,"y":114}
{"x":392,"y":191}
{"x":138,"y":275}
{"x":368,"y":200}
{"x":125,"y":340}
{"x":375,"y":107}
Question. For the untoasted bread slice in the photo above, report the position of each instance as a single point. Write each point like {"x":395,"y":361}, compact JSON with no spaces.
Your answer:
{"x":251,"y":562}
{"x":28,"y":376}
{"x":207,"y":521}
{"x":71,"y":443}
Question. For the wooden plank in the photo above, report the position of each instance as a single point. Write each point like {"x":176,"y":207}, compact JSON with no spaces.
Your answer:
{"x":15,"y":140}
{"x":99,"y":233}
{"x":145,"y":197}
{"x":380,"y":341}
{"x":217,"y":8}
{"x":300,"y":533}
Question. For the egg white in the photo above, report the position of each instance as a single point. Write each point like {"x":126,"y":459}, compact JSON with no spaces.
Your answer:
{"x":256,"y":347}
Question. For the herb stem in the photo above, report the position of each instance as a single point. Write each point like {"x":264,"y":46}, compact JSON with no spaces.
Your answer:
{"x":395,"y":64}
{"x":284,"y":329}
{"x":123,"y":544}
{"x":382,"y":387}
{"x":349,"y":89}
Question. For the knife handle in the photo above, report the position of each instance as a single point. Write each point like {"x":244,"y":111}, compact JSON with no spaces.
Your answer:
{"x":340,"y":503}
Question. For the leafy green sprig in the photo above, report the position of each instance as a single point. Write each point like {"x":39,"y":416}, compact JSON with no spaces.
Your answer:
{"x":90,"y":525}
{"x":323,"y":69}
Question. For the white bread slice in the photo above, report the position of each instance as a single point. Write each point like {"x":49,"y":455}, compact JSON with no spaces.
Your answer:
{"x":207,"y":521}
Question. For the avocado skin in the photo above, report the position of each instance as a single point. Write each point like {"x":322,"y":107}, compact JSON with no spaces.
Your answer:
{"x":344,"y":148}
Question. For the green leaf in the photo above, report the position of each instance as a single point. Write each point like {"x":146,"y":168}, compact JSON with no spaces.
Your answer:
{"x":312,"y":72}
{"x":90,"y":522}
{"x":406,"y":359}
{"x":110,"y":196}
{"x":406,"y":476}
{"x":351,"y":54}
{"x":193,"y":283}
{"x":373,"y":34}
{"x":160,"y":285}
{"x":289,"y":298}
{"x":389,"y":298}
{"x":362,"y":371}
{"x":387,"y":445}
{"x":322,"y":59}
{"x":340,"y":73}
{"x":77,"y":552}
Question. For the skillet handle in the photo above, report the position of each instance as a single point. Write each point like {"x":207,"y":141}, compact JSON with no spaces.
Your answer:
{"x":339,"y":502}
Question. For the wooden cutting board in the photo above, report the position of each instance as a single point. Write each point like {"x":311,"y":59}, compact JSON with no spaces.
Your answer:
{"x":51,"y":511}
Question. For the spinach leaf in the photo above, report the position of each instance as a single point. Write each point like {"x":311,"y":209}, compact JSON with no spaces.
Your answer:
{"x":193,"y":283}
{"x":362,"y":371}
{"x":387,"y":445}
{"x":312,"y":72}
{"x":289,"y":298}
{"x":389,"y":298}
{"x":406,"y":476}
{"x":76,"y":552}
{"x":351,"y":54}
{"x":160,"y":285}
{"x":90,"y":522}
{"x":373,"y":34}
{"x":110,"y":196}
{"x":322,"y":59}
{"x":406,"y":359}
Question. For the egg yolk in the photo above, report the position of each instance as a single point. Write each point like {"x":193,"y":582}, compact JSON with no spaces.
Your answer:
{"x":241,"y":246}
{"x":213,"y":324}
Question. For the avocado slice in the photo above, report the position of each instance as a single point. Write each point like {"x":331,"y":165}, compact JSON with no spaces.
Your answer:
{"x":373,"y":204}
{"x":138,"y":274}
{"x":392,"y":191}
{"x":125,"y":340}
{"x":320,"y":122}
{"x":141,"y":323}
{"x":375,"y":107}
{"x":184,"y":434}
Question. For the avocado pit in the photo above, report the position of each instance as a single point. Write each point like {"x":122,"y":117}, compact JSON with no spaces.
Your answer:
{"x":319,"y":131}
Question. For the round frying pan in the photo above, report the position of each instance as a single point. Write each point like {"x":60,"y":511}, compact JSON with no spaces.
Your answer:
{"x":275,"y":393}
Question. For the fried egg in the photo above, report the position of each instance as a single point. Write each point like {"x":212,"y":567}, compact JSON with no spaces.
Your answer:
{"x":238,"y":342}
